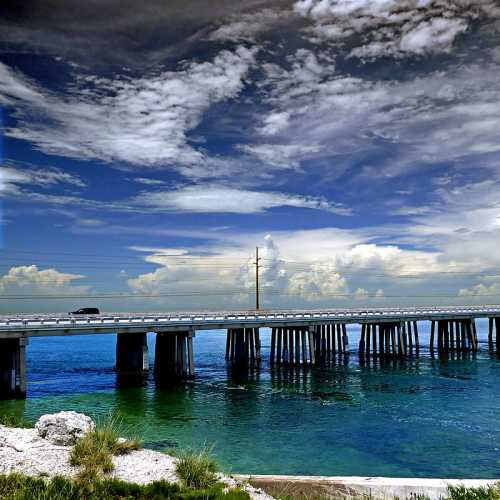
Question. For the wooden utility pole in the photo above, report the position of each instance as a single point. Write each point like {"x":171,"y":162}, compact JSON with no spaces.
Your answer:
{"x":257,"y":259}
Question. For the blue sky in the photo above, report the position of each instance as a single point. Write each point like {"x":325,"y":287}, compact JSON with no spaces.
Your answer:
{"x":146,"y":152}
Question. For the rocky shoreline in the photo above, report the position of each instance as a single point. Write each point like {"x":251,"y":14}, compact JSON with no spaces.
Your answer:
{"x":45,"y":450}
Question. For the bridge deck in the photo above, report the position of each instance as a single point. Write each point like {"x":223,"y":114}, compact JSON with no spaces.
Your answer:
{"x":38,"y":325}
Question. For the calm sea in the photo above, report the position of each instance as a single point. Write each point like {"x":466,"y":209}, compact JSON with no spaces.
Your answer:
{"x":422,"y":417}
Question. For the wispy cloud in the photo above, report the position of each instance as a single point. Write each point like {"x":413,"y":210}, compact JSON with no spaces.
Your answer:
{"x":142,"y":122}
{"x":218,"y":198}
{"x":148,"y":181}
{"x":247,"y":27}
{"x":200,"y":198}
{"x":15,"y":174}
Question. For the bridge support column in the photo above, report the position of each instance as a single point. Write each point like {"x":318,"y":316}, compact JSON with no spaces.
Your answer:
{"x":132,"y":354}
{"x":303,"y":345}
{"x":392,"y":339}
{"x":329,"y":340}
{"x":243,"y":346}
{"x":453,"y":335}
{"x":13,"y":368}
{"x":174,"y":357}
{"x":494,"y":334}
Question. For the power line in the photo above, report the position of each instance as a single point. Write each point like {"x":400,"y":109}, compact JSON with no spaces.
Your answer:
{"x":97,"y":265}
{"x":17,"y":263}
{"x":306,"y":264}
{"x":245,"y":291}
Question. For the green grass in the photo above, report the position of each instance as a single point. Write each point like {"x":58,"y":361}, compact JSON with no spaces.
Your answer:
{"x":14,"y":421}
{"x":19,"y":487}
{"x":461,"y":493}
{"x":94,"y":452}
{"x":196,"y":469}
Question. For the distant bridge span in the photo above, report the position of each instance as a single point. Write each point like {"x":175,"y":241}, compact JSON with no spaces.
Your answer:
{"x":298,"y":337}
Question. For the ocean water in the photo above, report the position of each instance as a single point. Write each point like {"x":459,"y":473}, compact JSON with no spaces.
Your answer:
{"x":422,"y":417}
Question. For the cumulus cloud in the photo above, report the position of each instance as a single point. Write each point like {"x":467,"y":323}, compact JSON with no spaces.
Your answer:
{"x":321,"y":281}
{"x":394,"y":27}
{"x":348,"y":275}
{"x":141,"y":121}
{"x":278,"y":283}
{"x":25,"y":280}
{"x":208,"y":280}
{"x":361,"y":294}
{"x":481,"y":290}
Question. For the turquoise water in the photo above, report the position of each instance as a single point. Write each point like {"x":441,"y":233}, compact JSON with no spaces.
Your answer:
{"x":421,"y":417}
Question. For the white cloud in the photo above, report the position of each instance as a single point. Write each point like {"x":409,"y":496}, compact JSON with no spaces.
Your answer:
{"x":246,"y":27}
{"x":274,"y":123}
{"x":141,"y":121}
{"x":345,"y":274}
{"x":394,"y":27}
{"x":444,"y":116}
{"x":436,"y":35}
{"x":159,"y":251}
{"x":389,"y":259}
{"x":25,"y":280}
{"x":217,"y":198}
{"x":13,"y":176}
{"x":481,"y":290}
{"x":281,"y":155}
{"x":200,"y":198}
{"x":148,"y":181}
{"x":320,"y":282}
{"x":361,"y":294}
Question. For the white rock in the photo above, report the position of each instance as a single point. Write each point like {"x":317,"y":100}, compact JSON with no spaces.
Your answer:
{"x":144,"y":467}
{"x":23,"y":450}
{"x":64,"y":428}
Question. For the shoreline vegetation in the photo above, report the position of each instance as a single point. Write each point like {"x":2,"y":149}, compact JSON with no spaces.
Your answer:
{"x":91,"y":461}
{"x":91,"y":469}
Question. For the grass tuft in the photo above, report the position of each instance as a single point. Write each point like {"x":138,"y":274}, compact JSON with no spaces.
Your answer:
{"x":94,"y":452}
{"x":14,"y":421}
{"x":196,"y":469}
{"x":462,"y":493}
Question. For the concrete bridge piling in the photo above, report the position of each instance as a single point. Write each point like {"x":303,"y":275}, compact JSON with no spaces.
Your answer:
{"x":330,"y":339}
{"x":396,"y":339}
{"x":243,"y":346}
{"x":292,"y":346}
{"x":132,"y":359}
{"x":13,"y":368}
{"x":307,"y":345}
{"x":453,"y":335}
{"x":174,"y":357}
{"x":494,"y":334}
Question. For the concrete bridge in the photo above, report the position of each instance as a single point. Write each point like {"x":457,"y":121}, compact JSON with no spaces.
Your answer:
{"x":298,"y":338}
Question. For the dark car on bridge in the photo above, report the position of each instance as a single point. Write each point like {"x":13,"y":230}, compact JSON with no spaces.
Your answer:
{"x":86,"y":310}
